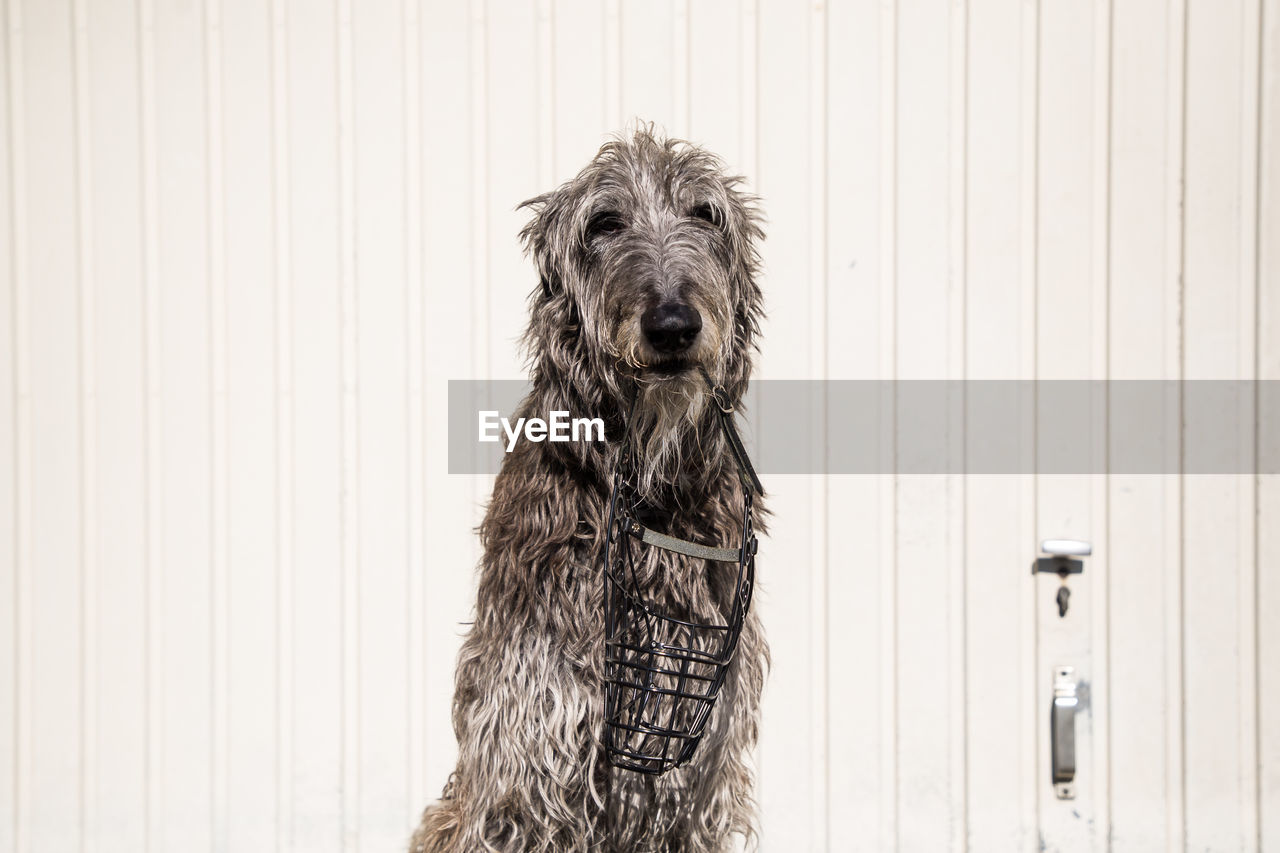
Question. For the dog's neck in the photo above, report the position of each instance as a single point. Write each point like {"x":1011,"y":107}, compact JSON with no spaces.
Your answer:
{"x":679,"y":447}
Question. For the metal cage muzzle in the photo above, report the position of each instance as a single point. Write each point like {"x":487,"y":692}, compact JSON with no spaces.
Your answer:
{"x":664,"y":673}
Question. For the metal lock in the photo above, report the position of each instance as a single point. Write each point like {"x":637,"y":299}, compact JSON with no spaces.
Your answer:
{"x":1060,"y":562}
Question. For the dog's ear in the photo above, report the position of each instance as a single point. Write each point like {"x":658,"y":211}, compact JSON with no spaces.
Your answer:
{"x":743,"y":223}
{"x":744,"y":229}
{"x":538,"y":236}
{"x":554,"y":321}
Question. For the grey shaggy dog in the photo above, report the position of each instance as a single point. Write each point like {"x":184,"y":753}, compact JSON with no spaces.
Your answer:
{"x":648,"y":268}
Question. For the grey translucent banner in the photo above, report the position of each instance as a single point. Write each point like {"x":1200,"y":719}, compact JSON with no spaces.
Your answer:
{"x":949,"y":427}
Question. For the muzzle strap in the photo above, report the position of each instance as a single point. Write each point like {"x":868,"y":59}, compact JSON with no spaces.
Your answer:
{"x":682,"y":546}
{"x":750,"y":480}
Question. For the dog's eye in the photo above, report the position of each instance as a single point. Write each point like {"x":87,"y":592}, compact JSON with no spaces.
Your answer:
{"x":604,"y":222}
{"x":708,"y":212}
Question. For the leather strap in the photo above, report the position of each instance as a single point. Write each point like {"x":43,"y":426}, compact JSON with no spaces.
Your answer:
{"x":750,"y":483}
{"x":750,"y":480}
{"x":681,"y":546}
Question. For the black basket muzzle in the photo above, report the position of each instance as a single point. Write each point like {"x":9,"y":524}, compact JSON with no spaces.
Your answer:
{"x":662,"y":673}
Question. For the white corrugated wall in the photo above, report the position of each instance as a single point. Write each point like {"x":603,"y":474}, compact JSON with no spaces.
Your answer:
{"x":244,"y":244}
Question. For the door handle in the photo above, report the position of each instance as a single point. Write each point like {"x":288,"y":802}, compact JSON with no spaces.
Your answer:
{"x":1062,"y":731}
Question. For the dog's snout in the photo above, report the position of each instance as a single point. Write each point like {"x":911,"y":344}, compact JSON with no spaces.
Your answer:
{"x":671,"y":327}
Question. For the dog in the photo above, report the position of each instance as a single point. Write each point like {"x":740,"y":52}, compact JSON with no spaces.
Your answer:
{"x":648,"y":264}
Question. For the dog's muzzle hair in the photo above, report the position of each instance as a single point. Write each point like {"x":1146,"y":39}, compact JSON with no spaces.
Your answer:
{"x":647,"y":263}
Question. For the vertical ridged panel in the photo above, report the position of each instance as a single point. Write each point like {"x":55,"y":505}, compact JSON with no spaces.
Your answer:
{"x":19,"y":581}
{"x":818,"y":618}
{"x":956,"y":369}
{"x":450,"y":502}
{"x":415,"y":447}
{"x":611,"y":45}
{"x":478,"y":161}
{"x":185,"y":367}
{"x":1174,"y":273}
{"x":88,"y":439}
{"x":1247,"y":487}
{"x":1219,"y":292}
{"x":749,"y":94}
{"x":927,"y":553}
{"x":582,"y":101}
{"x":382,"y":352}
{"x":715,"y":80}
{"x":783,"y":177}
{"x":349,"y":494}
{"x":1143,"y":540}
{"x":1031,"y":767}
{"x":1100,"y":367}
{"x":578,"y":75}
{"x":481,"y":272}
{"x":545,"y":102}
{"x":451,"y":281}
{"x":283,"y":405}
{"x":889,"y":834}
{"x":855,"y":185}
{"x":512,"y":99}
{"x":647,"y":75}
{"x":153,"y":406}
{"x":316,"y":262}
{"x":1067,"y":304}
{"x":994,"y":258}
{"x":9,"y":452}
{"x":680,"y":118}
{"x":250,"y":194}
{"x":8,"y":456}
{"x":1268,"y":331}
{"x":54,"y":581}
{"x":219,"y":589}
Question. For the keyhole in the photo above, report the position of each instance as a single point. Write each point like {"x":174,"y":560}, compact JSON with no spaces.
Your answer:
{"x":1064,"y":596}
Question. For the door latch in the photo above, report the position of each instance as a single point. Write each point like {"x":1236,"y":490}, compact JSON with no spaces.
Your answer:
{"x":1062,"y":731}
{"x":1060,"y":552}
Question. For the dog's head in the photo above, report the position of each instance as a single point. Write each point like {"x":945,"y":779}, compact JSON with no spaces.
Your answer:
{"x":647,"y":260}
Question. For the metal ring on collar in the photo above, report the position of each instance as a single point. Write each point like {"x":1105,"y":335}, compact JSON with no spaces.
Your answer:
{"x":721,"y":397}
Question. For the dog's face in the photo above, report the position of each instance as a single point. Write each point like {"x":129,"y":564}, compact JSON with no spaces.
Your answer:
{"x":647,"y":262}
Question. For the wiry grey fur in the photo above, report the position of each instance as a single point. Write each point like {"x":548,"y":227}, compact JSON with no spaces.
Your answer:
{"x":529,"y":701}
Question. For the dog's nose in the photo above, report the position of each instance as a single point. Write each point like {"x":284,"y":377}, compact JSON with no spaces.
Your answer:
{"x":671,"y":327}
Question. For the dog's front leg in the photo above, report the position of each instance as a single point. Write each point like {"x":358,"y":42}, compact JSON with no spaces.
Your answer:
{"x":524,"y":714}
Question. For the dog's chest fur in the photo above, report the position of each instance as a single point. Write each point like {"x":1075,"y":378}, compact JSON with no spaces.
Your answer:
{"x":545,"y":530}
